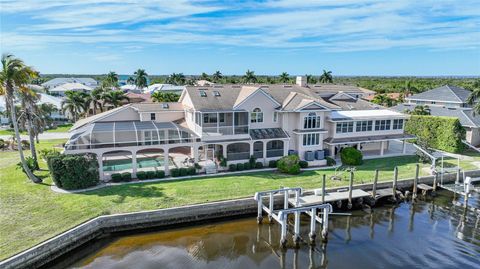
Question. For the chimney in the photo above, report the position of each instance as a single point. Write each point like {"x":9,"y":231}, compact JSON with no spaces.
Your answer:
{"x":302,"y":81}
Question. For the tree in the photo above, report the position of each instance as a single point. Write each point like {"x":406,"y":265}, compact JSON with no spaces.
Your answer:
{"x":311,"y":79}
{"x":141,"y":78}
{"x":159,"y":96}
{"x":204,"y":76}
{"x":115,"y":98}
{"x":130,"y":81}
{"x":284,"y":77}
{"x":95,"y":99}
{"x":75,"y":104}
{"x":408,"y":89}
{"x":474,"y":97}
{"x":420,"y":110}
{"x":326,"y":77}
{"x":383,"y":100}
{"x":15,"y":74}
{"x":111,"y":80}
{"x":29,"y":113}
{"x":217,"y":76}
{"x":176,"y":79}
{"x":249,"y":77}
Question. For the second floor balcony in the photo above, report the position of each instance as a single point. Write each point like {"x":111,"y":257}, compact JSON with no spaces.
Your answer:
{"x":221,"y":123}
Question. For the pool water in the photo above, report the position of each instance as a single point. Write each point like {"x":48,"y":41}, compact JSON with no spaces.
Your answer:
{"x":431,"y":233}
{"x":125,"y":164}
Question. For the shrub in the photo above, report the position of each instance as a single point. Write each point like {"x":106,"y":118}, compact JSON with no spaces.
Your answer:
{"x":31,"y":163}
{"x":151,"y":174}
{"x":303,"y":164}
{"x":116,"y":177}
{"x":3,"y":145}
{"x":240,"y":167}
{"x":232,"y":167}
{"x":259,"y":165}
{"x":198,"y":166}
{"x":46,"y":153}
{"x":74,"y":171}
{"x":126,"y":176}
{"x":252,"y":161}
{"x":174,"y":172}
{"x":246,"y":166}
{"x":191,"y":171}
{"x":289,"y":164}
{"x":330,"y":161}
{"x":141,"y":175}
{"x":272,"y":164}
{"x":351,"y":156}
{"x":443,"y":133}
{"x":183,"y":172}
{"x":160,"y":174}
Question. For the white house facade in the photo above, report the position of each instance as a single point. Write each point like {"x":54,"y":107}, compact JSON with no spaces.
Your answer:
{"x":236,"y":122}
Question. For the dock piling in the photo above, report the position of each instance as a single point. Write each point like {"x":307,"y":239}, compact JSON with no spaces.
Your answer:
{"x":415,"y":182}
{"x":270,"y":207}
{"x":375,"y":180}
{"x":394,"y":186}
{"x":313,"y":222}
{"x":323,"y":188}
{"x":296,"y":229}
{"x":325,"y":227}
{"x":435,"y":179}
{"x":350,"y":189}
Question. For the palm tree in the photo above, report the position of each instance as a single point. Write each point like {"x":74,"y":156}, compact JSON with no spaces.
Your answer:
{"x":474,"y":97}
{"x":75,"y":103}
{"x":111,"y":80}
{"x":159,"y":96}
{"x":383,"y":100}
{"x":95,"y":99}
{"x":130,"y":80}
{"x":311,"y":79}
{"x":15,"y":74}
{"x":284,"y":77}
{"x":29,"y":114}
{"x":217,"y":76}
{"x":420,"y":110}
{"x":326,"y":77}
{"x":141,"y":78}
{"x":176,"y":79}
{"x":250,"y":77}
{"x":115,"y":98}
{"x":408,"y":89}
{"x":204,"y":76}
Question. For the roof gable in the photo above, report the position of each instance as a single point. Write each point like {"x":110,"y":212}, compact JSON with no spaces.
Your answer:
{"x":342,"y":96}
{"x":444,"y":93}
{"x":249,"y":92}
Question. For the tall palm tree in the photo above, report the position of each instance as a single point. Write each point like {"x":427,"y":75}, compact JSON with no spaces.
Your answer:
{"x":141,"y":78}
{"x":95,"y":99}
{"x":420,"y":110}
{"x":159,"y":96}
{"x":284,"y":77}
{"x":383,"y":100}
{"x":176,"y":79}
{"x":29,"y":114}
{"x":75,"y":104}
{"x":326,"y":77}
{"x":217,"y":76}
{"x":474,"y":97}
{"x":311,"y":79}
{"x":408,"y":89}
{"x":111,"y":80}
{"x":130,"y":80}
{"x":15,"y":74}
{"x":115,"y":98}
{"x":250,"y":77}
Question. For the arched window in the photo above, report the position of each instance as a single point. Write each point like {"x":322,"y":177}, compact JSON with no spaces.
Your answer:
{"x":256,"y":115}
{"x":311,"y":121}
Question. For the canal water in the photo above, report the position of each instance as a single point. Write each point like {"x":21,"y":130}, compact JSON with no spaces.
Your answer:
{"x":431,"y":233}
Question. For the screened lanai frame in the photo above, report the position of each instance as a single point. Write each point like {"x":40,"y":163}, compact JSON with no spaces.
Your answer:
{"x":129,"y":133}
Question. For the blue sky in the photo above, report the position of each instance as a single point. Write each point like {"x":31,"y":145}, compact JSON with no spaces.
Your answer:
{"x":402,"y":37}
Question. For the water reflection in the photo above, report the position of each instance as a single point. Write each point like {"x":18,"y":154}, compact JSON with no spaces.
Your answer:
{"x":429,"y":233}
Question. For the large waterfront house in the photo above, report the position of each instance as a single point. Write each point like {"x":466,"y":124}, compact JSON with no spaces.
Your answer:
{"x":90,"y":82}
{"x":74,"y":87}
{"x":236,"y":122}
{"x":448,"y":101}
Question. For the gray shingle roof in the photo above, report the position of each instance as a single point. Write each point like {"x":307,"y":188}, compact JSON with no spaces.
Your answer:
{"x":444,"y":93}
{"x":465,"y":115}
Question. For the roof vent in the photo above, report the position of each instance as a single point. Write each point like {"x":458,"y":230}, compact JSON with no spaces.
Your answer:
{"x":203,"y":93}
{"x":216,"y":93}
{"x":165,"y":105}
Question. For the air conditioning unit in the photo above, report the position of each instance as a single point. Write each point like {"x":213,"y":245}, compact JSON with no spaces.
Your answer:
{"x":309,"y":155}
{"x":319,"y":154}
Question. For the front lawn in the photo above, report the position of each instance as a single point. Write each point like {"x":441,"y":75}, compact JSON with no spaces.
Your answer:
{"x":31,"y":213}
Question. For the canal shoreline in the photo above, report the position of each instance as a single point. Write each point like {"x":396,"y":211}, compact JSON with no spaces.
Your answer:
{"x":61,"y":244}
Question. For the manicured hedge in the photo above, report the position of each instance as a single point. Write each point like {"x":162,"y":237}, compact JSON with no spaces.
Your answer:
{"x":240,"y":167}
{"x":351,"y":156}
{"x":303,"y":164}
{"x":330,"y":161}
{"x":175,"y":172}
{"x":272,"y":164}
{"x":141,"y":175}
{"x":126,"y":176}
{"x":289,"y":164}
{"x":232,"y":167}
{"x":259,"y":165}
{"x":443,"y":133}
{"x":150,"y":174}
{"x":72,"y":172}
{"x":117,"y":177}
{"x":160,"y":174}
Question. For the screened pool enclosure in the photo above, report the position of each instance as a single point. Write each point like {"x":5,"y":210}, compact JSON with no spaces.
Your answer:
{"x":129,"y":133}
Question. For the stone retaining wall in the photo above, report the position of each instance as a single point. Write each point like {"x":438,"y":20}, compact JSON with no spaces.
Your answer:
{"x":55,"y":247}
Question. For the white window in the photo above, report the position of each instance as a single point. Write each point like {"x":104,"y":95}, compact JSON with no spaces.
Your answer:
{"x":364,"y":126}
{"x":397,"y":124}
{"x":312,"y":121}
{"x":311,"y":139}
{"x":256,"y":115}
{"x":345,"y":127}
{"x":275,"y":116}
{"x":382,"y":125}
{"x":152,"y":116}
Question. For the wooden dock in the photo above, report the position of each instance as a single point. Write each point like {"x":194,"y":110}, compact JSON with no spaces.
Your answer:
{"x":330,"y":197}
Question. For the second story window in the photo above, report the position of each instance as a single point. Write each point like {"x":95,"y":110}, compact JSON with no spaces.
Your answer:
{"x":382,"y":125}
{"x":312,"y":121}
{"x":397,"y":124}
{"x":364,"y":126}
{"x":152,"y":116}
{"x":256,"y":115}
{"x":344,"y":127}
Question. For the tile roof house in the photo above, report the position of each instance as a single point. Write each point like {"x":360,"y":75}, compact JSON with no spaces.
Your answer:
{"x":235,"y":122}
{"x":90,"y":82}
{"x":447,"y":101}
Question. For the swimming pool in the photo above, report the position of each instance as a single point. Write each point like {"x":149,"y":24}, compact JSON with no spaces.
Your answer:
{"x":126,"y":164}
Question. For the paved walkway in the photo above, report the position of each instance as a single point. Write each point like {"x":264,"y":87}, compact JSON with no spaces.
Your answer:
{"x":42,"y":136}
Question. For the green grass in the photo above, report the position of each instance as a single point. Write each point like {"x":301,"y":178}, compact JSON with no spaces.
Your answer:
{"x":31,"y":213}
{"x":63,"y":128}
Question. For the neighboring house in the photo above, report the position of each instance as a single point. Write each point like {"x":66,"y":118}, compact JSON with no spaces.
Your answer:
{"x":448,"y":101}
{"x":90,"y":82}
{"x":203,"y":82}
{"x":44,"y":99}
{"x":76,"y":87}
{"x":131,"y":88}
{"x":164,"y":88}
{"x":236,"y":122}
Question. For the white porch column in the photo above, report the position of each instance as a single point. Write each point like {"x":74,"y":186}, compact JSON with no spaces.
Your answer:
{"x":166,"y":162}
{"x":134,"y":163}
{"x":195,"y":153}
{"x":100,"y":166}
{"x":381,"y":148}
{"x":332,"y":151}
{"x":404,"y":147}
{"x":285,"y":148}
{"x":251,"y":147}
{"x":264,"y":152}
{"x":224,"y":150}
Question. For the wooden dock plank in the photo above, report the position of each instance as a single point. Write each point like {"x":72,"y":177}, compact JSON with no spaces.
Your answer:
{"x":329,"y":197}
